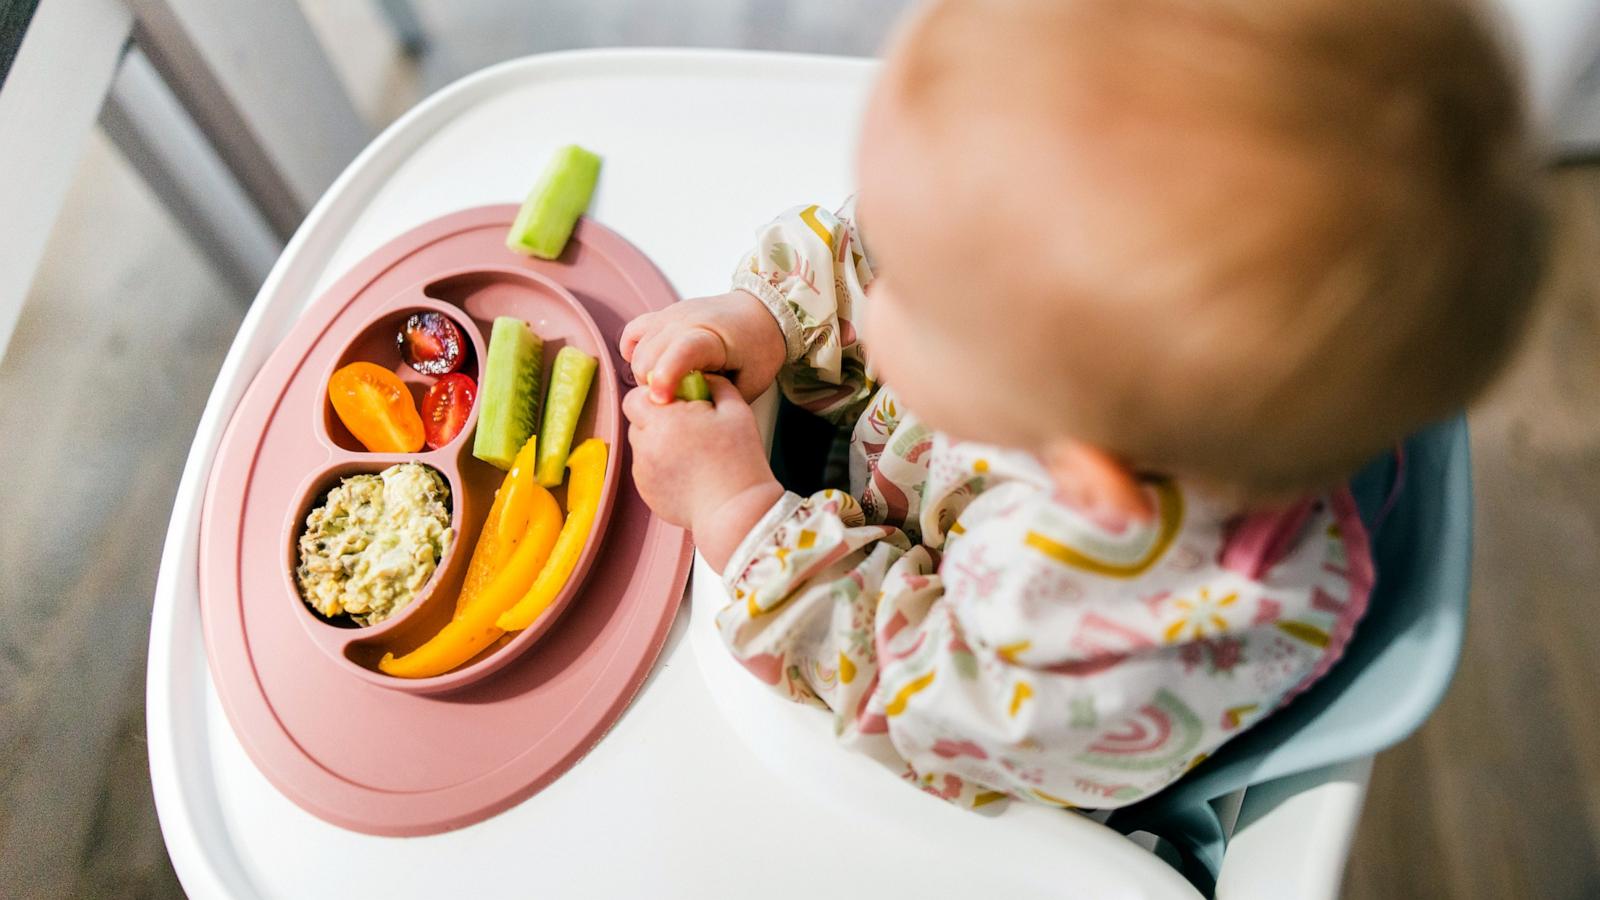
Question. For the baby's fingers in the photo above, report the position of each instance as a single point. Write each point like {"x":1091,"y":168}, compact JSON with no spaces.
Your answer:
{"x":637,"y":330}
{"x":724,"y":391}
{"x":636,"y":406}
{"x":645,"y":354}
{"x":694,"y":348}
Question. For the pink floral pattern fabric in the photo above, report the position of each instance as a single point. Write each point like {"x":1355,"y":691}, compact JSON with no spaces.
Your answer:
{"x":982,"y":637}
{"x":811,"y":270}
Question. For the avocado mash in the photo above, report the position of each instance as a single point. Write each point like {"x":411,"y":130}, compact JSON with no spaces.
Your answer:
{"x":374,"y":542}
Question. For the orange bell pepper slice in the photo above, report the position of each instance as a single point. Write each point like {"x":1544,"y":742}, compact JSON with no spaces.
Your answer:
{"x":473,"y":627}
{"x":588,"y":466}
{"x":503,"y":528}
{"x":375,"y":405}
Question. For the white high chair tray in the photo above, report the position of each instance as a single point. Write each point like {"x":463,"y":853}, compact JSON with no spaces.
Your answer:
{"x":690,"y":795}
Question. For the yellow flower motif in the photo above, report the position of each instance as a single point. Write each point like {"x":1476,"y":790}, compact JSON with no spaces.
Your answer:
{"x":903,"y":696}
{"x":1200,"y":616}
{"x":980,"y":465}
{"x":1020,"y":695}
{"x":1009,"y":651}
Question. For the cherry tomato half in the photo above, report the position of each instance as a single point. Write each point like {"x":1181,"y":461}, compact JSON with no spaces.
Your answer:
{"x":446,"y":407}
{"x":431,"y":344}
{"x":374,"y":404}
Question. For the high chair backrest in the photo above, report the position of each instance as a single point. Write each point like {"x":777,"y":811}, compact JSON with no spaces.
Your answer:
{"x":1394,"y":671}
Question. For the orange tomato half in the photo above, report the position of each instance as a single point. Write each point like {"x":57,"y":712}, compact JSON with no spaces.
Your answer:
{"x":374,"y":404}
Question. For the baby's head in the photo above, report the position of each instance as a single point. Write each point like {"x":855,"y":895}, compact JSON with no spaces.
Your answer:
{"x":1251,"y":243}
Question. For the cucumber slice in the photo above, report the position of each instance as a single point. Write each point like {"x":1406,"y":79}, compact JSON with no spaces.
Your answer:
{"x":553,"y":206}
{"x":570,"y":378}
{"x":693,"y":387}
{"x":508,"y":398}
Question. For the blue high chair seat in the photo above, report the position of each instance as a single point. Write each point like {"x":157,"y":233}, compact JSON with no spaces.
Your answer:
{"x":1394,"y":671}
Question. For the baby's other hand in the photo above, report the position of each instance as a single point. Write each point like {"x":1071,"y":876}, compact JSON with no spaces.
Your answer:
{"x":732,"y":333}
{"x":702,"y":465}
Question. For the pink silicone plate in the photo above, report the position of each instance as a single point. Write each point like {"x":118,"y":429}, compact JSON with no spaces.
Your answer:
{"x":472,"y":297}
{"x":401,"y":756}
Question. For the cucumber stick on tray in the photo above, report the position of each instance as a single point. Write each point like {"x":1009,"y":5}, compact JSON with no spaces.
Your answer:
{"x":562,"y":193}
{"x":570,"y":378}
{"x":509,"y":396}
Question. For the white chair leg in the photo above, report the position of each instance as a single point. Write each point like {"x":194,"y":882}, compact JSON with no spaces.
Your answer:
{"x":1559,"y":43}
{"x":161,"y":142}
{"x":48,"y":102}
{"x":259,"y":86}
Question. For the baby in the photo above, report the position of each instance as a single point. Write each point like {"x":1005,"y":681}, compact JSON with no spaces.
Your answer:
{"x":1129,"y":291}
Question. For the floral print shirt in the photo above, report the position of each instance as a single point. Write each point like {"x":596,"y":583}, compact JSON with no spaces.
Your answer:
{"x":971,"y":630}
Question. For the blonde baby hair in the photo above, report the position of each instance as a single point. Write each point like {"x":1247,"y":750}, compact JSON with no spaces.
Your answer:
{"x":1256,"y":241}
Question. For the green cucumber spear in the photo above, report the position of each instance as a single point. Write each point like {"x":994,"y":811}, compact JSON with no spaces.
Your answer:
{"x":562,"y":193}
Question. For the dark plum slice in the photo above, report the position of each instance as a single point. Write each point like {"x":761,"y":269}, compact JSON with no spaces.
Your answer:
{"x":431,"y":344}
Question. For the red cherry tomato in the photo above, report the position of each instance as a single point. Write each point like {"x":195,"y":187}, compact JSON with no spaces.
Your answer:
{"x":445,"y":408}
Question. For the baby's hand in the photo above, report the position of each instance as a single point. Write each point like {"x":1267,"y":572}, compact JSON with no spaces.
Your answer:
{"x":702,"y":465}
{"x":732,"y":333}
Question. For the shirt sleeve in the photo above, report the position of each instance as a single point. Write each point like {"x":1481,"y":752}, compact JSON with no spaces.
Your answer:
{"x":810,"y":270}
{"x":1017,"y":664}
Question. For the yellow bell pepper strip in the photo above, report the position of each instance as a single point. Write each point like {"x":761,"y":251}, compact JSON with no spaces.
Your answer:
{"x":473,"y":628}
{"x":588,"y":467}
{"x":519,"y":485}
{"x":502,"y":529}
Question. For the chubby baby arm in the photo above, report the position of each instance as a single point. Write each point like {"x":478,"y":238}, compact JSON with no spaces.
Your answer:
{"x":998,"y":670}
{"x":788,"y":318}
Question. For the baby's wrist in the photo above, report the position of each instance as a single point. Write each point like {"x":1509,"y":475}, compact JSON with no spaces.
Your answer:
{"x":761,"y":339}
{"x":720,"y":528}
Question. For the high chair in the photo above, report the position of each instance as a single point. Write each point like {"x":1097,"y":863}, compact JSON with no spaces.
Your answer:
{"x":708,"y":786}
{"x":1417,"y":505}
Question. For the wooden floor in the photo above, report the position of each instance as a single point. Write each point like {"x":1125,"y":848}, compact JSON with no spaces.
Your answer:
{"x":1499,"y":794}
{"x":103,"y":384}
{"x":1497,"y":797}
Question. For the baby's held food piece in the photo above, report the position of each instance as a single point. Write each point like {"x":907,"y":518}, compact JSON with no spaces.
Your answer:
{"x":375,"y":406}
{"x":692,"y":387}
{"x":373,"y":543}
{"x":562,"y":193}
{"x":588,"y":464}
{"x":570,"y":378}
{"x":509,"y":393}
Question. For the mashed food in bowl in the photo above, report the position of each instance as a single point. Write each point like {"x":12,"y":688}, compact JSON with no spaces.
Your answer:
{"x":374,"y":542}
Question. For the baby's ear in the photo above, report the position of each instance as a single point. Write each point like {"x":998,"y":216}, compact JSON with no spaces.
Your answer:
{"x":1097,"y":484}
